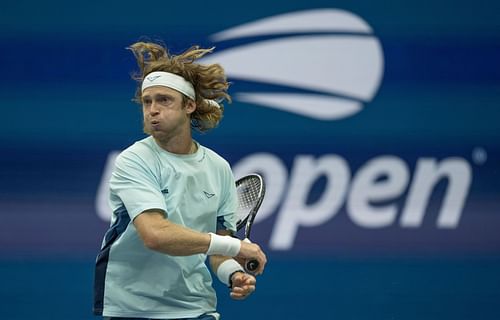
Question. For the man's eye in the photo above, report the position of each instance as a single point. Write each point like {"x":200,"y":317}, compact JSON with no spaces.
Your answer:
{"x":146,"y":102}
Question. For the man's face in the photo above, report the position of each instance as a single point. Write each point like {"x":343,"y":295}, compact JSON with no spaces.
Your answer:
{"x":165,"y":115}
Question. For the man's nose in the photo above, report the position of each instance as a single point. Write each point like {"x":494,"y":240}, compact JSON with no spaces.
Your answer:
{"x":154,"y":108}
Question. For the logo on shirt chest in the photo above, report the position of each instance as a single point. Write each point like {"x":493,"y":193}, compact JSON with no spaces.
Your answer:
{"x":208,"y":194}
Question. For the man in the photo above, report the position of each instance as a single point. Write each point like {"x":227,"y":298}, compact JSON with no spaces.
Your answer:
{"x":173,"y":201}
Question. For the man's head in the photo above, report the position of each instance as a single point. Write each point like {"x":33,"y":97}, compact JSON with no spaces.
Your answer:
{"x":200,"y":84}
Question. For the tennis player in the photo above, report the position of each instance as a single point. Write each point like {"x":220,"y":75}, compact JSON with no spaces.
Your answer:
{"x":173,"y":201}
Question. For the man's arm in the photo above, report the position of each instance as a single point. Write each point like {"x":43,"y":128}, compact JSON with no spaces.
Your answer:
{"x":160,"y":234}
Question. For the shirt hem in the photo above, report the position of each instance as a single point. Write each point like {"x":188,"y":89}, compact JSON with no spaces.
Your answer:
{"x":149,"y":314}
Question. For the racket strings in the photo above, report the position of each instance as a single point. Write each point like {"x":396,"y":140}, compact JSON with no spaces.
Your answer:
{"x":248,"y":196}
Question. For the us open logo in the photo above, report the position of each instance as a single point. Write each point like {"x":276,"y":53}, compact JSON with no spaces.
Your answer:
{"x":326,"y":64}
{"x":329,"y":61}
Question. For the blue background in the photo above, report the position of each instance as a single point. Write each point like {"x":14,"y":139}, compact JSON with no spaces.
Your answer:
{"x":65,"y":94}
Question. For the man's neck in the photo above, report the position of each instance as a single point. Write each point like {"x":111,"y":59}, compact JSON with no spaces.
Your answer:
{"x":177,"y":145}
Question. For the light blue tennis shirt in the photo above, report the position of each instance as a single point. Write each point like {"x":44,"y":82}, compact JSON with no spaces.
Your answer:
{"x":196,"y":191}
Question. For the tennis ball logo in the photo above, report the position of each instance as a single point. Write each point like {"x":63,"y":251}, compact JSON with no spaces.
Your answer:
{"x":327,"y":63}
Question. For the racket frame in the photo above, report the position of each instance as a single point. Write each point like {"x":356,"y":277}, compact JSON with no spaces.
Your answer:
{"x":247,"y":222}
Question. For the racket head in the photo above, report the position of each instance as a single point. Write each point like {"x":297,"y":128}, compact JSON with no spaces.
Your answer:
{"x":250,"y":191}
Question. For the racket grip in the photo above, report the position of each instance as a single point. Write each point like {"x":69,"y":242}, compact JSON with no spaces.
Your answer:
{"x":253,"y":264}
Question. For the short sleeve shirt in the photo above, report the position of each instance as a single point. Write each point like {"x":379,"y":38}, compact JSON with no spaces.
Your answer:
{"x":196,"y":191}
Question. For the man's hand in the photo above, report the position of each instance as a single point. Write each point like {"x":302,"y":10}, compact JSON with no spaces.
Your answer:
{"x":250,"y":251}
{"x":243,"y":285}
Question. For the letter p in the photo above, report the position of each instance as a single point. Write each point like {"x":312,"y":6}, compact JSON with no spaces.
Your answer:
{"x":295,"y":211}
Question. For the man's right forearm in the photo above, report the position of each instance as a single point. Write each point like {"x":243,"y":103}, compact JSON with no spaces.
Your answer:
{"x":160,"y":234}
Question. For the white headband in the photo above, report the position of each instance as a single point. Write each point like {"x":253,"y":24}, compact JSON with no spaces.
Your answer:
{"x":170,"y":80}
{"x":173,"y":81}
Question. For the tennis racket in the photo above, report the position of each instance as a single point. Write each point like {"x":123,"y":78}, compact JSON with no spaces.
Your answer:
{"x":250,"y":190}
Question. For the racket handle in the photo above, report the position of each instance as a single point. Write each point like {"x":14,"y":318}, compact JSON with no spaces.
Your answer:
{"x":251,"y":265}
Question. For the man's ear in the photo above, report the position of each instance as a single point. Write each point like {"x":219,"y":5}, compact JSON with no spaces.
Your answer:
{"x":190,"y":106}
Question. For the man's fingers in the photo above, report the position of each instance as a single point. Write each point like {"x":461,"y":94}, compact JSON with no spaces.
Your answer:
{"x":237,"y":296}
{"x":262,"y":262}
{"x":250,"y":281}
{"x":244,"y":290}
{"x":240,"y":293}
{"x":243,"y":286}
{"x":240,"y":279}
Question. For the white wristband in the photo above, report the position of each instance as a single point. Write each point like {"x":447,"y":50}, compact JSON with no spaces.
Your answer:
{"x":223,"y":245}
{"x":226,"y":270}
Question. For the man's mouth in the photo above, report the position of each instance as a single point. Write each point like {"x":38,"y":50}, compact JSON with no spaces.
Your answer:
{"x":155,"y":124}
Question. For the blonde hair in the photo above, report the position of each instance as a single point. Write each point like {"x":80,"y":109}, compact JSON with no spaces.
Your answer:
{"x":209,"y":81}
